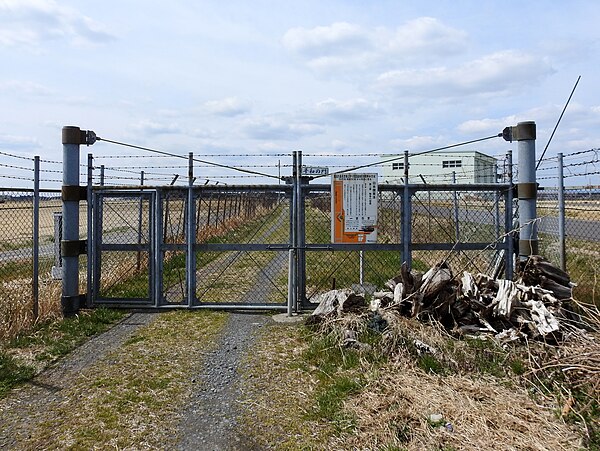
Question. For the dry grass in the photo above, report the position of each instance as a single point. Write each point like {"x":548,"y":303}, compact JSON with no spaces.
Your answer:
{"x":132,"y":398}
{"x":16,"y":305}
{"x":483,"y":402}
{"x":395,"y":407}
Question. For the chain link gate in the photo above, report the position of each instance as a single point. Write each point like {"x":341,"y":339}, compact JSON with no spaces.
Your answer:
{"x":204,"y":247}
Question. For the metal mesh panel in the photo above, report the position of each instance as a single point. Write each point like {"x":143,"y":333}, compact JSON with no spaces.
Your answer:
{"x":582,"y":232}
{"x":243,"y":277}
{"x":124,"y":258}
{"x":247,"y":272}
{"x":16,"y":259}
{"x":439,"y":220}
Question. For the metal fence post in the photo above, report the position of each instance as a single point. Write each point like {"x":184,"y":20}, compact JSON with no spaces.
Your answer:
{"x":57,"y":267}
{"x":191,"y":236}
{"x":138,"y":263}
{"x":101,"y":175}
{"x":496,"y":204}
{"x":406,"y":217}
{"x":455,"y":199}
{"x":294,"y":229}
{"x":71,"y":246}
{"x":36,"y":237}
{"x":90,"y":250}
{"x":561,"y":214}
{"x":527,"y":189}
{"x":301,"y":253}
{"x":509,"y":220}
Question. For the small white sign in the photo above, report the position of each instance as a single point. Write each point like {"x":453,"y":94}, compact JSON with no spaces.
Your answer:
{"x":310,"y":171}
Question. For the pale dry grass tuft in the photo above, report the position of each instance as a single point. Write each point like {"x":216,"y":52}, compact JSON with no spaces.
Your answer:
{"x":395,"y":407}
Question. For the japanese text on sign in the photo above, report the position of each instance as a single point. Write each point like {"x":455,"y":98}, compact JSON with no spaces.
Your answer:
{"x":354,"y":208}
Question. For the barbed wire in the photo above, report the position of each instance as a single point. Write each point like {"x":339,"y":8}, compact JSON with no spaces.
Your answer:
{"x":16,"y":177}
{"x":161,"y":152}
{"x":16,"y":167}
{"x":464,"y":143}
{"x":21,"y":157}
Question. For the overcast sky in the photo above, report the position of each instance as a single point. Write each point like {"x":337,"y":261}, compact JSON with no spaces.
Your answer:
{"x":269,"y":77}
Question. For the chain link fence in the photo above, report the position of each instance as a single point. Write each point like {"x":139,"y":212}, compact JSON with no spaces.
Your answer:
{"x":439,"y":220}
{"x":24,"y":288}
{"x":580,"y":251}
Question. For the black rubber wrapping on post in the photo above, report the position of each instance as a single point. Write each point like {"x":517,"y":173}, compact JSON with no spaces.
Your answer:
{"x":527,"y":190}
{"x":73,"y":135}
{"x":73,"y":248}
{"x":70,"y":305}
{"x":528,"y":247}
{"x":73,"y":193}
{"x":524,"y":131}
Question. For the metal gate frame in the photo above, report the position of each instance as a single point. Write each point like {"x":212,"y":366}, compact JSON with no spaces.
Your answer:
{"x":156,"y":246}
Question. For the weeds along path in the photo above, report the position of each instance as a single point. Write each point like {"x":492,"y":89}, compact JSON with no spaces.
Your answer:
{"x":26,"y":408}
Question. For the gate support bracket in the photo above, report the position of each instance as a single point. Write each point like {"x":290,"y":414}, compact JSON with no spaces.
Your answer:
{"x":73,"y":248}
{"x":73,"y":193}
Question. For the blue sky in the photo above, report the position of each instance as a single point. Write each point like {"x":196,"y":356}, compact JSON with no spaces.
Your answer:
{"x":263,"y":77}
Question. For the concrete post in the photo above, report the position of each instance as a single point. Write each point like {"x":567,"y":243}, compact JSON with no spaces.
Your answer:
{"x":71,"y":246}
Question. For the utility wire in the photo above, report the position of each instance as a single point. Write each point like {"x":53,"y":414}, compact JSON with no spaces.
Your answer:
{"x":160,"y":152}
{"x":558,"y":122}
{"x":413,"y":155}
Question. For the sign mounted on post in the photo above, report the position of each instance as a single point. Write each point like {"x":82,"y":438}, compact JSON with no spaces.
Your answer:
{"x":308,"y":171}
{"x":354,"y":208}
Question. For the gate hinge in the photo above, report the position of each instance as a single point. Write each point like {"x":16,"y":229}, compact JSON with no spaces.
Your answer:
{"x":74,"y":193}
{"x":73,"y":248}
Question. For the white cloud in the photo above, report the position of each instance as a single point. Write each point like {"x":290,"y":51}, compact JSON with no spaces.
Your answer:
{"x":424,"y":35}
{"x":25,"y":88}
{"x":278,"y":129}
{"x":33,"y":22}
{"x":156,"y":128}
{"x":352,"y":109}
{"x":487,"y":125}
{"x":14,"y":142}
{"x":339,"y":37}
{"x":229,"y":106}
{"x":417,"y":143}
{"x":344,"y":46}
{"x":497,"y":73}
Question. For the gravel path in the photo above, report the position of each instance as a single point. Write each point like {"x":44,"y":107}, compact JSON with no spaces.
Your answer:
{"x":210,"y":416}
{"x":26,"y":407}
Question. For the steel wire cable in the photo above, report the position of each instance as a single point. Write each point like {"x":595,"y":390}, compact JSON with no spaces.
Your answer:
{"x":161,"y":152}
{"x":414,"y":154}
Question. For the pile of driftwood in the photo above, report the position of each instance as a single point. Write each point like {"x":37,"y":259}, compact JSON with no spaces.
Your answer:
{"x":537,"y":305}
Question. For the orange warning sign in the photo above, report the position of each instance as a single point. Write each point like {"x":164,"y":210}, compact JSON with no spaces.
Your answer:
{"x":354,"y":208}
